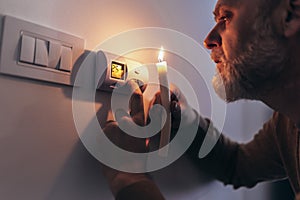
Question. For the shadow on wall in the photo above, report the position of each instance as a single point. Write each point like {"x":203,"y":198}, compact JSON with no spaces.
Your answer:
{"x":81,"y":176}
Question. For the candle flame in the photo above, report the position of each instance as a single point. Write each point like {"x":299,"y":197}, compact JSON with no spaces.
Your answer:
{"x":147,"y":142}
{"x":161,"y":55}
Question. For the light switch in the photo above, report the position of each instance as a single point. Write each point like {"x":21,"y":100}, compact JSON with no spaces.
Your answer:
{"x":54,"y":54}
{"x":66,"y":59}
{"x":27,"y":49}
{"x":41,"y":52}
{"x":26,"y":46}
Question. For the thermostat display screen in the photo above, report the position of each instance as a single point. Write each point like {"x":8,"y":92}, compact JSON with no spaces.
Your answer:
{"x":118,"y":70}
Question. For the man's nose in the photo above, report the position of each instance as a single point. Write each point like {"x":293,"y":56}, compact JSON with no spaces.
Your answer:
{"x":212,"y":40}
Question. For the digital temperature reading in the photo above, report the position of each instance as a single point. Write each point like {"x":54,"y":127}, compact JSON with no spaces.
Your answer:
{"x":118,"y":70}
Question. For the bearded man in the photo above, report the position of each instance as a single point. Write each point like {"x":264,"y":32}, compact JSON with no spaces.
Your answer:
{"x":256,"y":47}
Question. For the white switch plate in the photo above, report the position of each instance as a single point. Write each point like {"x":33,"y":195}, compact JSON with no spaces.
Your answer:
{"x":11,"y":57}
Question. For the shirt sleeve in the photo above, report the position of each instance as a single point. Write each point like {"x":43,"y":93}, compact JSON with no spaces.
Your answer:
{"x":242,"y":164}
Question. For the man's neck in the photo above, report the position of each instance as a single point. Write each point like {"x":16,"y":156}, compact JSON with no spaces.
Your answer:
{"x":285,"y":97}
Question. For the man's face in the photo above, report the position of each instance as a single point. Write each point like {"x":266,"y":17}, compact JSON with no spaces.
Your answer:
{"x":248,"y":52}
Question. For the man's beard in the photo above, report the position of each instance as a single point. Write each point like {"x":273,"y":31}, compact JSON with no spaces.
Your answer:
{"x":254,"y":72}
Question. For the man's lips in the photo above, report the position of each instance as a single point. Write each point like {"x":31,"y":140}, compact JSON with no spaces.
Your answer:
{"x":218,"y":62}
{"x":216,"y":59}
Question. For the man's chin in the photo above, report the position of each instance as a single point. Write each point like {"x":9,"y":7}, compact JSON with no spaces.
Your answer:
{"x":219,"y":87}
{"x":227,"y":91}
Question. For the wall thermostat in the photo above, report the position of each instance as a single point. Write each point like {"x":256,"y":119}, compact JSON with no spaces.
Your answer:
{"x":118,"y":71}
{"x":113,"y":71}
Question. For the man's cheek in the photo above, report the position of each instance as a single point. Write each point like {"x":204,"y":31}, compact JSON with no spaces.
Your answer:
{"x":235,"y":44}
{"x":229,"y":48}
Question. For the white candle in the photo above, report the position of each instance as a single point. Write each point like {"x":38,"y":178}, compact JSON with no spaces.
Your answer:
{"x":165,"y":101}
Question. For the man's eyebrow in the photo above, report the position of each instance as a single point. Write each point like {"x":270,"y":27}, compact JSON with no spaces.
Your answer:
{"x":221,"y":6}
{"x":217,"y":11}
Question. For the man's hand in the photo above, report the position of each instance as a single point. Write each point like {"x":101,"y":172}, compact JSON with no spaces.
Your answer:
{"x":135,"y":116}
{"x":182,"y":113}
{"x":117,"y":179}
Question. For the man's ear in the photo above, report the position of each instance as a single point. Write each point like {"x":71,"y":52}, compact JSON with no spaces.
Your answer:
{"x":292,"y":19}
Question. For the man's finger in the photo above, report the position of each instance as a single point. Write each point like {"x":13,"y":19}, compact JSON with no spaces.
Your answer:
{"x":173,"y":97}
{"x":175,"y":109}
{"x":120,"y":114}
{"x":143,"y":87}
{"x":136,"y":103}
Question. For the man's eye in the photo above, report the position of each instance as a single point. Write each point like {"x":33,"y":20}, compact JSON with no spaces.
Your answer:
{"x":223,"y":19}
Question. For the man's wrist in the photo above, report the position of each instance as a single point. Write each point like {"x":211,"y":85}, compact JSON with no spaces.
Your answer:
{"x":203,"y":123}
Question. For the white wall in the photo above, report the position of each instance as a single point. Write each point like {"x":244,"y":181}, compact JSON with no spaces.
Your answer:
{"x":41,"y":154}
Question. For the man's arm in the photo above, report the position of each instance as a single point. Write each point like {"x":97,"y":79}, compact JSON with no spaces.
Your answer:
{"x":230,"y":162}
{"x":242,"y":164}
{"x":125,"y":186}
{"x":130,"y":186}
